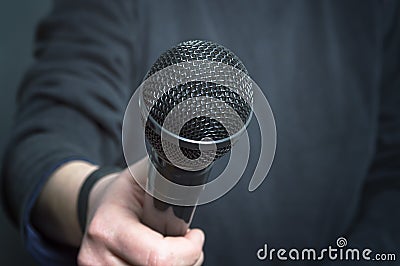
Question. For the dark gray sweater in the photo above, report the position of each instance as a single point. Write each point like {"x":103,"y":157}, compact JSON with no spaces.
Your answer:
{"x":331,"y":72}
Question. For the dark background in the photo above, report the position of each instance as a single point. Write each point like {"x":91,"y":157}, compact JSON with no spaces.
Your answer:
{"x":18,"y":20}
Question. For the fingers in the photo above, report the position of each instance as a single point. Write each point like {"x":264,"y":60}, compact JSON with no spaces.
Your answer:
{"x":195,"y":235}
{"x":85,"y":258}
{"x":139,"y":245}
{"x":186,"y":250}
{"x":200,"y":260}
{"x":121,"y":241}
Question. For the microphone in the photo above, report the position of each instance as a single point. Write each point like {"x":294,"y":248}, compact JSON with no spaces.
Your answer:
{"x":189,"y":122}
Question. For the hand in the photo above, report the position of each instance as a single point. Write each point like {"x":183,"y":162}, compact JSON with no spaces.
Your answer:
{"x":115,"y":236}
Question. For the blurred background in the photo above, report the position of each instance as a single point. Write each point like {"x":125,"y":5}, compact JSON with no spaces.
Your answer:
{"x":18,"y":20}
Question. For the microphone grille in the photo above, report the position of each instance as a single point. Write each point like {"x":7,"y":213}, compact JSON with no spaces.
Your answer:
{"x":196,"y":50}
{"x":160,"y":98}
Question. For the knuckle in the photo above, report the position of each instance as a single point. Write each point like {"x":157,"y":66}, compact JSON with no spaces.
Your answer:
{"x":81,"y":260}
{"x":92,"y":253}
{"x":98,"y":230}
{"x":84,"y":258}
{"x":158,"y":258}
{"x":87,"y":259}
{"x":94,"y":228}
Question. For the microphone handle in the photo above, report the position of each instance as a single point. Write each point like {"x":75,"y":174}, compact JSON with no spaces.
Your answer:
{"x":165,"y":218}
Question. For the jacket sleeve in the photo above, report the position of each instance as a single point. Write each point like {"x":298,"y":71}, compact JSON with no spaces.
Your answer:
{"x":71,"y":101}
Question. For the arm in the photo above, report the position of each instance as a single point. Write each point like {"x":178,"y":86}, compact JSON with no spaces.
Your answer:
{"x":70,"y":110}
{"x":71,"y":101}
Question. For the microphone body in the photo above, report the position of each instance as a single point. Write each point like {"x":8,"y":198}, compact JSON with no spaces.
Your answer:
{"x":170,"y":100}
{"x":165,"y":218}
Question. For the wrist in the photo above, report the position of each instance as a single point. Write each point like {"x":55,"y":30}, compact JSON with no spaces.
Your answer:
{"x":54,"y":213}
{"x":91,"y":192}
{"x":98,"y":191}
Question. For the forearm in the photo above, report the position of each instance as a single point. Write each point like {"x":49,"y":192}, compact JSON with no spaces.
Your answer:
{"x":71,"y":101}
{"x":54,"y":213}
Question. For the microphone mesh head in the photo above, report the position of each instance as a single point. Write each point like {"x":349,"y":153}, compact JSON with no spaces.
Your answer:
{"x":196,"y":50}
{"x":166,"y":93}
